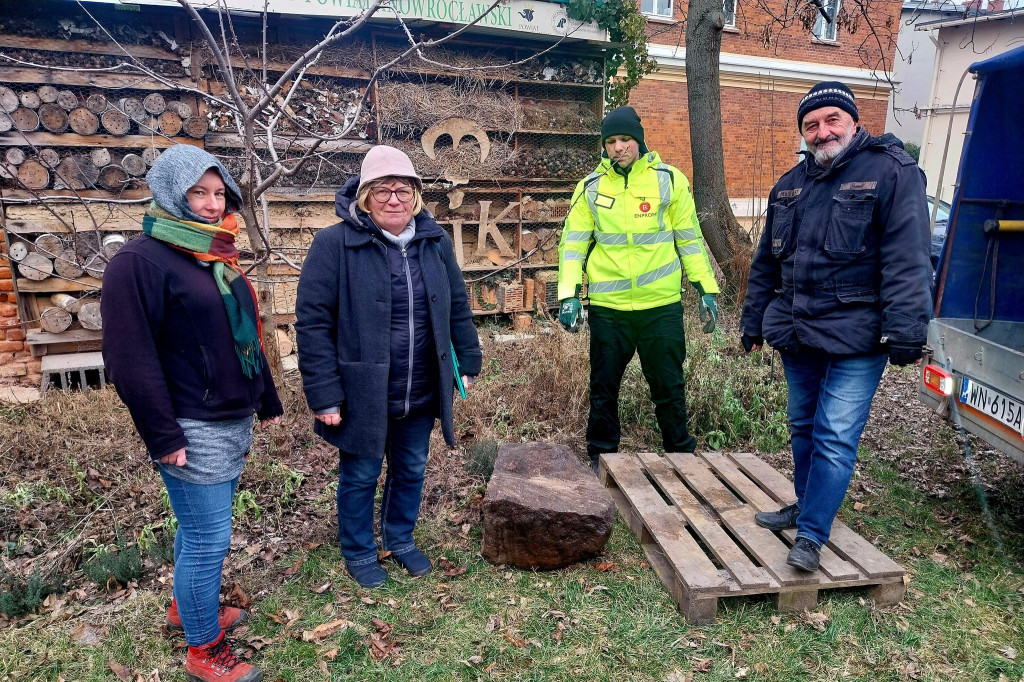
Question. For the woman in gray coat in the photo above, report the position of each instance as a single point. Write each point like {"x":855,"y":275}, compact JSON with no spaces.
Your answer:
{"x":381,"y":305}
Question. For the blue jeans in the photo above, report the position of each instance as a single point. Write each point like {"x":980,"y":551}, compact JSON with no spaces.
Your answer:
{"x":200,"y":546}
{"x":406,"y":450}
{"x":829,"y":401}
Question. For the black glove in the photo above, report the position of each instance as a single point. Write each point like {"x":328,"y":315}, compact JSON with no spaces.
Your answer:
{"x":749,"y":342}
{"x":904,"y":353}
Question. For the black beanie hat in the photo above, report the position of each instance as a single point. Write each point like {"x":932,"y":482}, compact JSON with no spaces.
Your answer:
{"x":623,"y":121}
{"x":827,"y":94}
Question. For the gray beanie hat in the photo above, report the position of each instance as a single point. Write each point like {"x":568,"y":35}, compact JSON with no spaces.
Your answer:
{"x":180,"y":167}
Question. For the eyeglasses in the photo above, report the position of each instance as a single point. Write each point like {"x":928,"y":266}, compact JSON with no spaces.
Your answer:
{"x":383,"y":194}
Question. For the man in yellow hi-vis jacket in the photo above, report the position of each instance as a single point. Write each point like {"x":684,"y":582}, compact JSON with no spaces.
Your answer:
{"x":633,"y":227}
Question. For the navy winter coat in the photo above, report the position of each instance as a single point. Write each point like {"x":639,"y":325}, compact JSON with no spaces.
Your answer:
{"x":842,"y":265}
{"x":168,"y":346}
{"x":344,"y":309}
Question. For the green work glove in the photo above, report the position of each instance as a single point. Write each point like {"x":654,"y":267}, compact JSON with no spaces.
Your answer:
{"x":708,"y":309}
{"x":570,"y":312}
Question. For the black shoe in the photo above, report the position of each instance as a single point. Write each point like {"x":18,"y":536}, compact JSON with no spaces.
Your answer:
{"x":778,"y":520}
{"x":594,"y":462}
{"x":803,"y":555}
{"x":414,"y":561}
{"x":368,"y":575}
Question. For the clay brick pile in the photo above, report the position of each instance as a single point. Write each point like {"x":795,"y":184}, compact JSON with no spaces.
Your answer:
{"x":17,"y":366}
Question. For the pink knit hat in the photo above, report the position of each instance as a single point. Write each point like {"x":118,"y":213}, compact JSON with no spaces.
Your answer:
{"x":383,"y":161}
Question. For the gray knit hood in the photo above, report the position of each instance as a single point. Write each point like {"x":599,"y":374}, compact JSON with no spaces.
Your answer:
{"x":176,"y":170}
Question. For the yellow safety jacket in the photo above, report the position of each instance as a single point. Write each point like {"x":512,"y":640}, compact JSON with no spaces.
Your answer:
{"x":635,"y":234}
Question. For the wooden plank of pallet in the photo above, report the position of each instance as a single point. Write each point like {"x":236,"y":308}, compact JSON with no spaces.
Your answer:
{"x":831,"y":564}
{"x":40,"y":139}
{"x":762,"y":543}
{"x":666,"y":525}
{"x":844,"y":542}
{"x":718,"y":542}
{"x":113,"y":81}
{"x":696,"y":473}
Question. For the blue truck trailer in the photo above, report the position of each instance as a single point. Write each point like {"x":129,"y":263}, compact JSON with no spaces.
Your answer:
{"x":973,"y":368}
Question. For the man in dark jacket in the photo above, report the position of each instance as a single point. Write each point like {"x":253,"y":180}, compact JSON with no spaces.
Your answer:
{"x":840,"y":282}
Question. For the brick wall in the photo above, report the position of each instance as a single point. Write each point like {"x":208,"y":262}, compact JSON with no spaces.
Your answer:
{"x":860,"y":49}
{"x":17,"y":366}
{"x":758,"y":128}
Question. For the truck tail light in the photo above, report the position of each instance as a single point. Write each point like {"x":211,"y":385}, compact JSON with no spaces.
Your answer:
{"x":938,"y":380}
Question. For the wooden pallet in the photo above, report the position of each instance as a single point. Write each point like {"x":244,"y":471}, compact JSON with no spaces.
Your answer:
{"x":694,"y":516}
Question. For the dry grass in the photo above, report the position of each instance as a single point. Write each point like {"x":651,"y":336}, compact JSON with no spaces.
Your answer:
{"x":410,"y":107}
{"x":463,"y":162}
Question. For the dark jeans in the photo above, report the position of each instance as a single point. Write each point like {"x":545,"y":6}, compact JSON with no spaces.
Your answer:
{"x":406,"y":449}
{"x":829,"y":401}
{"x":657,"y":335}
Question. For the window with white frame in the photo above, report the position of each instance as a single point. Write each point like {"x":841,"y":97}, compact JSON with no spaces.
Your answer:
{"x":826,"y":30}
{"x":657,"y":8}
{"x":729,"y":10}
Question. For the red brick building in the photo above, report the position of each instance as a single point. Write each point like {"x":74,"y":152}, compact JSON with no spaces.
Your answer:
{"x":762,"y":85}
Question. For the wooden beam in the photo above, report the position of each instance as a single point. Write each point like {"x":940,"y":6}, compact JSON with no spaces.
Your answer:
{"x":53,"y":285}
{"x":17,"y":139}
{"x":283,"y":142}
{"x":281,"y":67}
{"x":63,"y":76}
{"x":126,"y":195}
{"x":86,"y":46}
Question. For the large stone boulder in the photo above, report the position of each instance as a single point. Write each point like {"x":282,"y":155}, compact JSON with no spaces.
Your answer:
{"x":544,"y":508}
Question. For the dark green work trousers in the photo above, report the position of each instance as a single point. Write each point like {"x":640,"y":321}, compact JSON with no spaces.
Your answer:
{"x":657,"y":335}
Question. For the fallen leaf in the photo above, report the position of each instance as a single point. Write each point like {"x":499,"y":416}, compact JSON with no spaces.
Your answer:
{"x":492,"y":623}
{"x":326,"y":630}
{"x":466,"y":527}
{"x":456,"y":570}
{"x":776,"y":620}
{"x":369,"y":601}
{"x":294,"y":568}
{"x":859,"y":506}
{"x":238,"y":597}
{"x":259,"y":643}
{"x":331,"y":654}
{"x":122,"y":672}
{"x":938,"y":557}
{"x":702,"y":665}
{"x":816,"y":620}
{"x":322,"y":665}
{"x":474,"y":660}
{"x":676,"y":676}
{"x":970,"y":602}
{"x":741,"y":673}
{"x":517,"y":642}
{"x":323,"y":588}
{"x":559,"y":629}
{"x":605,"y":566}
{"x":1009,"y":652}
{"x":87,"y":634}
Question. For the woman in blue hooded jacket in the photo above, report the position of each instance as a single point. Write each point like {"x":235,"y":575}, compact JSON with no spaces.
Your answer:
{"x":381,"y":304}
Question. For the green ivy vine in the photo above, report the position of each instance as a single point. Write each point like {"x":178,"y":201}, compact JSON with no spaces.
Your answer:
{"x":626,"y":27}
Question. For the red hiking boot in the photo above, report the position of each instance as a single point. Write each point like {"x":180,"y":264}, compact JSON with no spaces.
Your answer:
{"x":227,"y":616}
{"x":214,"y":662}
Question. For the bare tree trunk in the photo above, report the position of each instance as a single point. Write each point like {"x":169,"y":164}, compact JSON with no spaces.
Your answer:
{"x":729,"y":244}
{"x":264,"y":292}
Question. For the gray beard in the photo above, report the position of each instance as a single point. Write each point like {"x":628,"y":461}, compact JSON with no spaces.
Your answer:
{"x":826,"y":157}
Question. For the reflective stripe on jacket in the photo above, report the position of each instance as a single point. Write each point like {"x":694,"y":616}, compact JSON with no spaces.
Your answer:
{"x":635,"y":234}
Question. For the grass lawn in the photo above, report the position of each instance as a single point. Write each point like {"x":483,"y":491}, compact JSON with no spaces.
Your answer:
{"x":608,"y":619}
